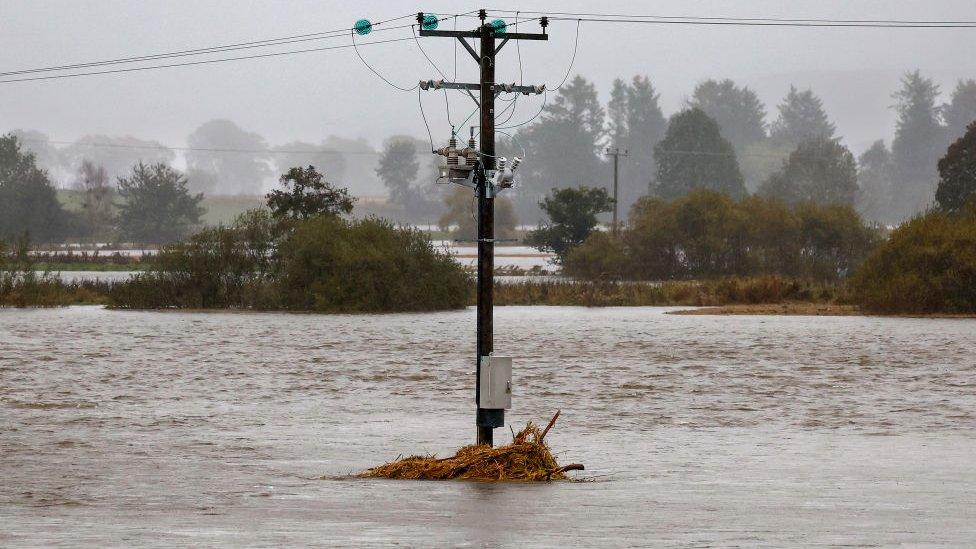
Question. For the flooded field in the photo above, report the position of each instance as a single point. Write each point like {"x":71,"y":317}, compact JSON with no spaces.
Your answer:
{"x":131,"y":428}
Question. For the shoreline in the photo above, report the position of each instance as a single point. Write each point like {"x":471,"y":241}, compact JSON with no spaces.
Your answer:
{"x":805,"y":309}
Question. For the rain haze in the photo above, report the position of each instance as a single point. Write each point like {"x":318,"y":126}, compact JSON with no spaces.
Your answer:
{"x":309,"y":96}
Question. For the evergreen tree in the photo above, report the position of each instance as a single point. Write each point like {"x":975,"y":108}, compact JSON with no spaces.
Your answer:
{"x":564,"y":146}
{"x":694,"y":155}
{"x":572,"y":217}
{"x":398,"y":169}
{"x":739,"y":112}
{"x":874,"y":182}
{"x":957,"y":184}
{"x":960,"y":112}
{"x":919,"y":138}
{"x":28,"y":202}
{"x":801,"y":118}
{"x":820,"y":170}
{"x":157,"y":208}
{"x":636,"y":124}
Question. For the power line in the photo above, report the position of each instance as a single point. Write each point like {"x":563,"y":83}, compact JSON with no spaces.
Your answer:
{"x":572,"y":61}
{"x":685,"y":19}
{"x":337,"y":33}
{"x":766,"y":23}
{"x":199,"y":149}
{"x":203,"y":62}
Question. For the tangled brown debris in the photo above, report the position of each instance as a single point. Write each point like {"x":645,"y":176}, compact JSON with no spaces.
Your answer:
{"x":527,"y":458}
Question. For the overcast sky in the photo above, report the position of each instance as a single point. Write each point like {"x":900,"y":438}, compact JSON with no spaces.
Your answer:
{"x":310,"y":96}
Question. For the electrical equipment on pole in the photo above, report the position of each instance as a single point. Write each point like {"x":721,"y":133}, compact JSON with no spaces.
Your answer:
{"x":487,"y":175}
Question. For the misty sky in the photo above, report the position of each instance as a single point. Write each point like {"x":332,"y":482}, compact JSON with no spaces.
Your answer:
{"x":310,"y":96}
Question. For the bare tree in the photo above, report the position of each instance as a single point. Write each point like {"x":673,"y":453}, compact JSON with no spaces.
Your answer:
{"x":93,"y":183}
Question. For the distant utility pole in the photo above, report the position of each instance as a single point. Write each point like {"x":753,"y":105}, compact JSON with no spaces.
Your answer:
{"x":486,"y":181}
{"x":616,"y":153}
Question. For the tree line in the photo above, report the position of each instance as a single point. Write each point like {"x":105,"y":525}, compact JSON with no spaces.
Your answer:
{"x":721,"y":140}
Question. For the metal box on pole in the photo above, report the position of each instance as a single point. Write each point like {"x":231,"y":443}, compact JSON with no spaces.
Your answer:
{"x":496,"y":382}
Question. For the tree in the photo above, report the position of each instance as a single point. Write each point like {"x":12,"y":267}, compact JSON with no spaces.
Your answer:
{"x":572,"y":217}
{"x":564,"y":146}
{"x":961,"y":111}
{"x":636,"y":124}
{"x":360,"y":159}
{"x":461,"y":215}
{"x":917,"y":145}
{"x":28,"y":202}
{"x":307,"y":194}
{"x":957,"y":171}
{"x":801,"y":118}
{"x":874,"y":182}
{"x":299,"y":153}
{"x":398,"y":169}
{"x":93,"y":182}
{"x":116,"y":154}
{"x":157,"y":207}
{"x":47,"y":157}
{"x":694,"y":155}
{"x":820,"y":170}
{"x":237,"y":158}
{"x":739,"y":112}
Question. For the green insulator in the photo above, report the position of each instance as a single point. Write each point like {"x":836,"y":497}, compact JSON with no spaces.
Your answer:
{"x":430,"y":22}
{"x":363,"y":27}
{"x":499,"y":25}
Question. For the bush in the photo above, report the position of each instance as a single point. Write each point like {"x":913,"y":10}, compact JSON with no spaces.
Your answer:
{"x":927,"y":266}
{"x":333,"y":265}
{"x":324,"y":264}
{"x":709,"y":235}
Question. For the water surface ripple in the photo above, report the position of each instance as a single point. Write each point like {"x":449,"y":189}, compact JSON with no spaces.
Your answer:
{"x":161,"y":429}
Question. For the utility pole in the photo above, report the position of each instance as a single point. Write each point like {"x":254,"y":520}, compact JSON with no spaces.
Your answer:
{"x":616,"y":154}
{"x":489,"y":177}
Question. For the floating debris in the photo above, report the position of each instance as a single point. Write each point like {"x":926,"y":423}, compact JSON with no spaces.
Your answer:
{"x":527,"y":458}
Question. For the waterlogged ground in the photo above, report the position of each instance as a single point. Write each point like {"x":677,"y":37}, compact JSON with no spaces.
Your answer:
{"x":130,"y":428}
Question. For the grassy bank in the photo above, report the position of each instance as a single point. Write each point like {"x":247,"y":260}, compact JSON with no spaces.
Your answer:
{"x":704,"y":293}
{"x":761,"y":295}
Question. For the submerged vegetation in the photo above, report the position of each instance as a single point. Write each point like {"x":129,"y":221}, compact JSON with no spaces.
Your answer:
{"x":705,"y":293}
{"x":21,"y":285}
{"x":527,"y":458}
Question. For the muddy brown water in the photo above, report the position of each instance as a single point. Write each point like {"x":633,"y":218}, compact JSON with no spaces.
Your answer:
{"x":223,"y":429}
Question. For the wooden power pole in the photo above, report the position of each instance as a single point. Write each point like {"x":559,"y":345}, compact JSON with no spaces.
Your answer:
{"x":489,"y":34}
{"x":616,"y":153}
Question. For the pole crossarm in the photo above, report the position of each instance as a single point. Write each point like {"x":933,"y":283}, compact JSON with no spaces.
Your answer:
{"x":477,"y":34}
{"x":496,"y":88}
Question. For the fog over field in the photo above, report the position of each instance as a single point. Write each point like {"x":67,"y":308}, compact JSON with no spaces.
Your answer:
{"x":310,"y":96}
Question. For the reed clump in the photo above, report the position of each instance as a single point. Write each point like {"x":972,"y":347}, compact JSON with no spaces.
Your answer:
{"x":527,"y":458}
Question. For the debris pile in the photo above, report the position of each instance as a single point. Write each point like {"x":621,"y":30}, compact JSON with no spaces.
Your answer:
{"x":527,"y":458}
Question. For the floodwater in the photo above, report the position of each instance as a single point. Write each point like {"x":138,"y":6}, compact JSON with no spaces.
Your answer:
{"x":203,"y":429}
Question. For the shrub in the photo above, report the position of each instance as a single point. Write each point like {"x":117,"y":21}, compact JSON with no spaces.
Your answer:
{"x":333,"y":265}
{"x":324,"y":264}
{"x":709,"y":235}
{"x":927,"y":266}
